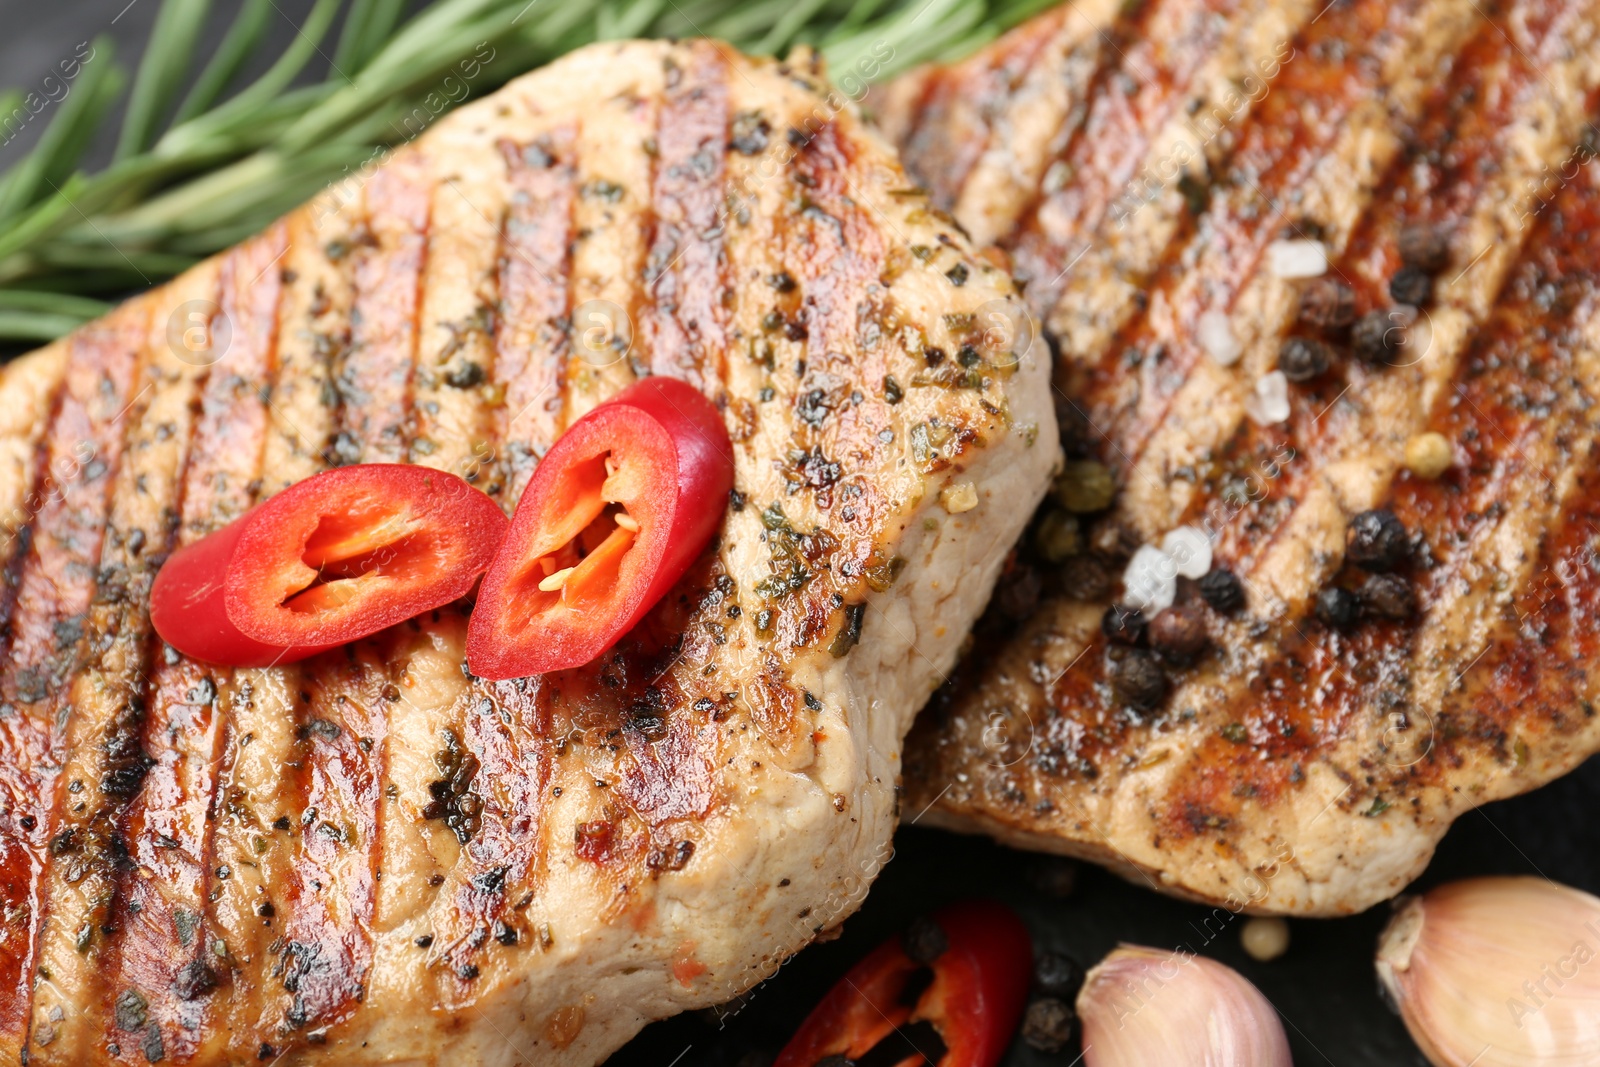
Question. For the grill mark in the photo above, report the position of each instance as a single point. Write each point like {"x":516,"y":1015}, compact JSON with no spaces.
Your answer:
{"x":530,"y":342}
{"x":953,"y":122}
{"x":832,"y":248}
{"x":30,"y":387}
{"x":1101,"y":288}
{"x":1045,"y":110}
{"x":1278,"y":157}
{"x":314,"y":337}
{"x":19,"y":848}
{"x":1540,"y":689}
{"x":460,"y":305}
{"x":1165,"y":45}
{"x":506,"y":726}
{"x":472,"y":216}
{"x":761,"y":381}
{"x":611,"y":235}
{"x":326,"y":950}
{"x":253,"y":791}
{"x":376,"y":377}
{"x":326,"y":953}
{"x":56,"y":585}
{"x":163,"y":902}
{"x":684,"y":327}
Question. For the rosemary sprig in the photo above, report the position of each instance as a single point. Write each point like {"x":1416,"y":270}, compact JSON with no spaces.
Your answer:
{"x":195,"y":171}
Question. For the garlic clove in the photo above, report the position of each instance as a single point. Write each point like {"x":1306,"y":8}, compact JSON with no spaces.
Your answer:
{"x":1496,"y":972}
{"x":1143,"y":1006}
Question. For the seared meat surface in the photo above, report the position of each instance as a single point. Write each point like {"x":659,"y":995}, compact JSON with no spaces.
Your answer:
{"x":373,"y":856}
{"x":1410,"y":643}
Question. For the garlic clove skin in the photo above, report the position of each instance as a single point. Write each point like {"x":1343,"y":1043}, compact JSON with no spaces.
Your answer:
{"x":1497,"y":972}
{"x":1143,"y":1006}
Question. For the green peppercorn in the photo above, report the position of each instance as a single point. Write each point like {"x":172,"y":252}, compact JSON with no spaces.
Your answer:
{"x":1085,"y":486}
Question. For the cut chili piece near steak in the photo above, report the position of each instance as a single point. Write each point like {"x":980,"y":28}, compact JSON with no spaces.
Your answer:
{"x":330,"y":560}
{"x":949,"y":993}
{"x":616,"y":512}
{"x":1308,"y":760}
{"x":373,"y":853}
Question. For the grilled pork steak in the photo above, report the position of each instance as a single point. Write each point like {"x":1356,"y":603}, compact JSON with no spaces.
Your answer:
{"x":373,"y":856}
{"x":1410,"y":644}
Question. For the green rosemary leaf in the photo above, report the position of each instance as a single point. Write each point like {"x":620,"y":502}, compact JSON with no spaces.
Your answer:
{"x":243,"y":38}
{"x":31,"y":176}
{"x":162,"y":72}
{"x":38,"y":325}
{"x":366,"y":27}
{"x":859,"y":13}
{"x":49,"y":216}
{"x":182,"y":139}
{"x":741,"y":23}
{"x":100,"y":255}
{"x":627,"y":20}
{"x":51,"y":303}
{"x":791,"y":22}
{"x":99,"y":96}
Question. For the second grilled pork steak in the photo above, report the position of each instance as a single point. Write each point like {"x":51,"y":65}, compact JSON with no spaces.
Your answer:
{"x":1305,"y":762}
{"x":373,"y":856}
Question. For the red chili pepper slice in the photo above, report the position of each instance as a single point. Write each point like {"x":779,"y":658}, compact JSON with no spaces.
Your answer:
{"x":616,"y":511}
{"x":329,"y":560}
{"x":881,"y":1014}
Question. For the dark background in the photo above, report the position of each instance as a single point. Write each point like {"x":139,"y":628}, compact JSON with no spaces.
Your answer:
{"x":1324,"y":986}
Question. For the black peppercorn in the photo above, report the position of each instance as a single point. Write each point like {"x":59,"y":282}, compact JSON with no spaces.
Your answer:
{"x":1123,"y":624}
{"x":1018,"y":593}
{"x":1057,"y":975}
{"x":1179,"y":633}
{"x":1338,"y":608}
{"x":1388,"y":596}
{"x":1424,"y":247}
{"x":1049,"y":1024}
{"x":1139,"y":679}
{"x":1411,"y":286}
{"x":1302,"y":359}
{"x":924,"y":941}
{"x":1375,"y":338}
{"x":1222,"y":590}
{"x":1327,"y":304}
{"x":1376,"y":540}
{"x":1086,"y":577}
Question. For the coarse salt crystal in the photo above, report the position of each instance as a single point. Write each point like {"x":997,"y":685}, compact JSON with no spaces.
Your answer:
{"x":1297,"y":259}
{"x":1190,"y":550}
{"x":1268,"y":402}
{"x":1216,"y":337}
{"x":1151,"y":581}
